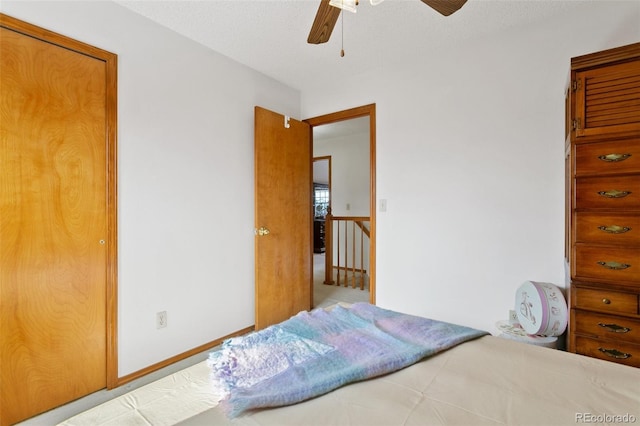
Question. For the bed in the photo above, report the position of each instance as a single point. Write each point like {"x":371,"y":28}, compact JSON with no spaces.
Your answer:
{"x":483,"y":380}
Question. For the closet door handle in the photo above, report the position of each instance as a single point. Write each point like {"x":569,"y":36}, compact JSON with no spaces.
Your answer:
{"x":613,"y":158}
{"x":614,"y":353}
{"x":614,"y":193}
{"x":616,"y":266}
{"x":615,"y":328}
{"x":614,"y":229}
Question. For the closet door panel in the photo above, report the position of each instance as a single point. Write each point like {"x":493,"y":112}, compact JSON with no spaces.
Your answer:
{"x":53,"y":225}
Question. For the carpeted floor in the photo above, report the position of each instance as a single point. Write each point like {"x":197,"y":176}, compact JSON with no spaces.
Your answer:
{"x":327,"y":295}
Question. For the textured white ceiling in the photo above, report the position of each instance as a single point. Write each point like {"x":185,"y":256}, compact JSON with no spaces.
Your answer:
{"x":270,"y":35}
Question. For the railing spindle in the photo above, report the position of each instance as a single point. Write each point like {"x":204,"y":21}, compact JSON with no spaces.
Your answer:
{"x":354,"y":272}
{"x":328,"y":249}
{"x":346,"y":255}
{"x":353,"y":257}
{"x":361,"y":259}
{"x":338,"y":245}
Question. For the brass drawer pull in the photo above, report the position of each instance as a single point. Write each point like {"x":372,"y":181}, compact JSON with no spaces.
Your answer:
{"x":614,"y":193}
{"x":616,"y":266}
{"x":613,"y":158}
{"x":614,"y":353}
{"x":614,"y":229}
{"x":615,"y":328}
{"x":606,"y":301}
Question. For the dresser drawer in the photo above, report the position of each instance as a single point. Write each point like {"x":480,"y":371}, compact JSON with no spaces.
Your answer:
{"x":607,"y":263}
{"x":607,"y":228}
{"x":620,"y":192}
{"x":608,"y":157}
{"x":607,"y":326}
{"x":605,"y":301}
{"x":622,"y":353}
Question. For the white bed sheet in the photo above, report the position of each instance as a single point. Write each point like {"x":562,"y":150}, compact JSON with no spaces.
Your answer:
{"x":486,"y":381}
{"x":166,"y":401}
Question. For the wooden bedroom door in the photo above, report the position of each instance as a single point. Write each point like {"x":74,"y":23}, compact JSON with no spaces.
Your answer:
{"x":57,"y":219}
{"x":283,"y":217}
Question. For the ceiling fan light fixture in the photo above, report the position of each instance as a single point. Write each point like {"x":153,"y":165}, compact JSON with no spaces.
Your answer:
{"x":349,"y":5}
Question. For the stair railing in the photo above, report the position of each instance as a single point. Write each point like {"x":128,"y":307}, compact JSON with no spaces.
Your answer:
{"x":347,"y":266}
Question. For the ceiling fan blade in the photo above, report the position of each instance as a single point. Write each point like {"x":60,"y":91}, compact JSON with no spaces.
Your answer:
{"x":445,"y":7}
{"x":323,"y":24}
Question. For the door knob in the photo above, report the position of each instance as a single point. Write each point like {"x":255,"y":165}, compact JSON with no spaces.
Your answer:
{"x":262,"y":231}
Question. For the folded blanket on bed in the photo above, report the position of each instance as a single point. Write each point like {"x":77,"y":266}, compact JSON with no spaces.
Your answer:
{"x":315,"y":352}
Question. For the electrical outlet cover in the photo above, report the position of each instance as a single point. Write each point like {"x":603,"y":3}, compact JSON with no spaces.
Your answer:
{"x":161,"y":319}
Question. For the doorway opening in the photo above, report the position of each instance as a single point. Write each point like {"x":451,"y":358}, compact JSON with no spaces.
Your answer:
{"x":344,"y":225}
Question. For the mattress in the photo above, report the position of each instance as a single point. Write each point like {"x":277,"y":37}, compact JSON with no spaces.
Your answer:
{"x":485,"y":381}
{"x":489,"y":380}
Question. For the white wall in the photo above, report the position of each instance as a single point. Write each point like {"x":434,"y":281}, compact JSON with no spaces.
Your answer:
{"x":185,"y":177}
{"x":349,"y":172}
{"x":470,"y":150}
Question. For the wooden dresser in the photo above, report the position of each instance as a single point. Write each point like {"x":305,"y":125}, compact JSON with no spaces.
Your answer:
{"x":603,"y":204}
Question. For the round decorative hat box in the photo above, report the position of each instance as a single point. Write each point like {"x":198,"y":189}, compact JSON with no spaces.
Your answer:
{"x":541,"y":309}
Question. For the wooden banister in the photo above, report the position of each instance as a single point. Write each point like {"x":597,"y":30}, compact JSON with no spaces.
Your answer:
{"x":350,"y":231}
{"x":364,"y":229}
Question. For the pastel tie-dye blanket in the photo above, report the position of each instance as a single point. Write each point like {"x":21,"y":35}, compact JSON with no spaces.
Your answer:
{"x":315,"y":352}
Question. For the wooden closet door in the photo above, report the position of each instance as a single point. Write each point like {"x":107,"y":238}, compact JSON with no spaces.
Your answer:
{"x":53,"y":225}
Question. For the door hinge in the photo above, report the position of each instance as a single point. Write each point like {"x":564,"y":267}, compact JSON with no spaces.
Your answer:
{"x":287,"y":121}
{"x":576,"y":85}
{"x":576,"y":124}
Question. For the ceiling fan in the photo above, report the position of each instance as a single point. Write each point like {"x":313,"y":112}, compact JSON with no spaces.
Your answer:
{"x":329,"y":11}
